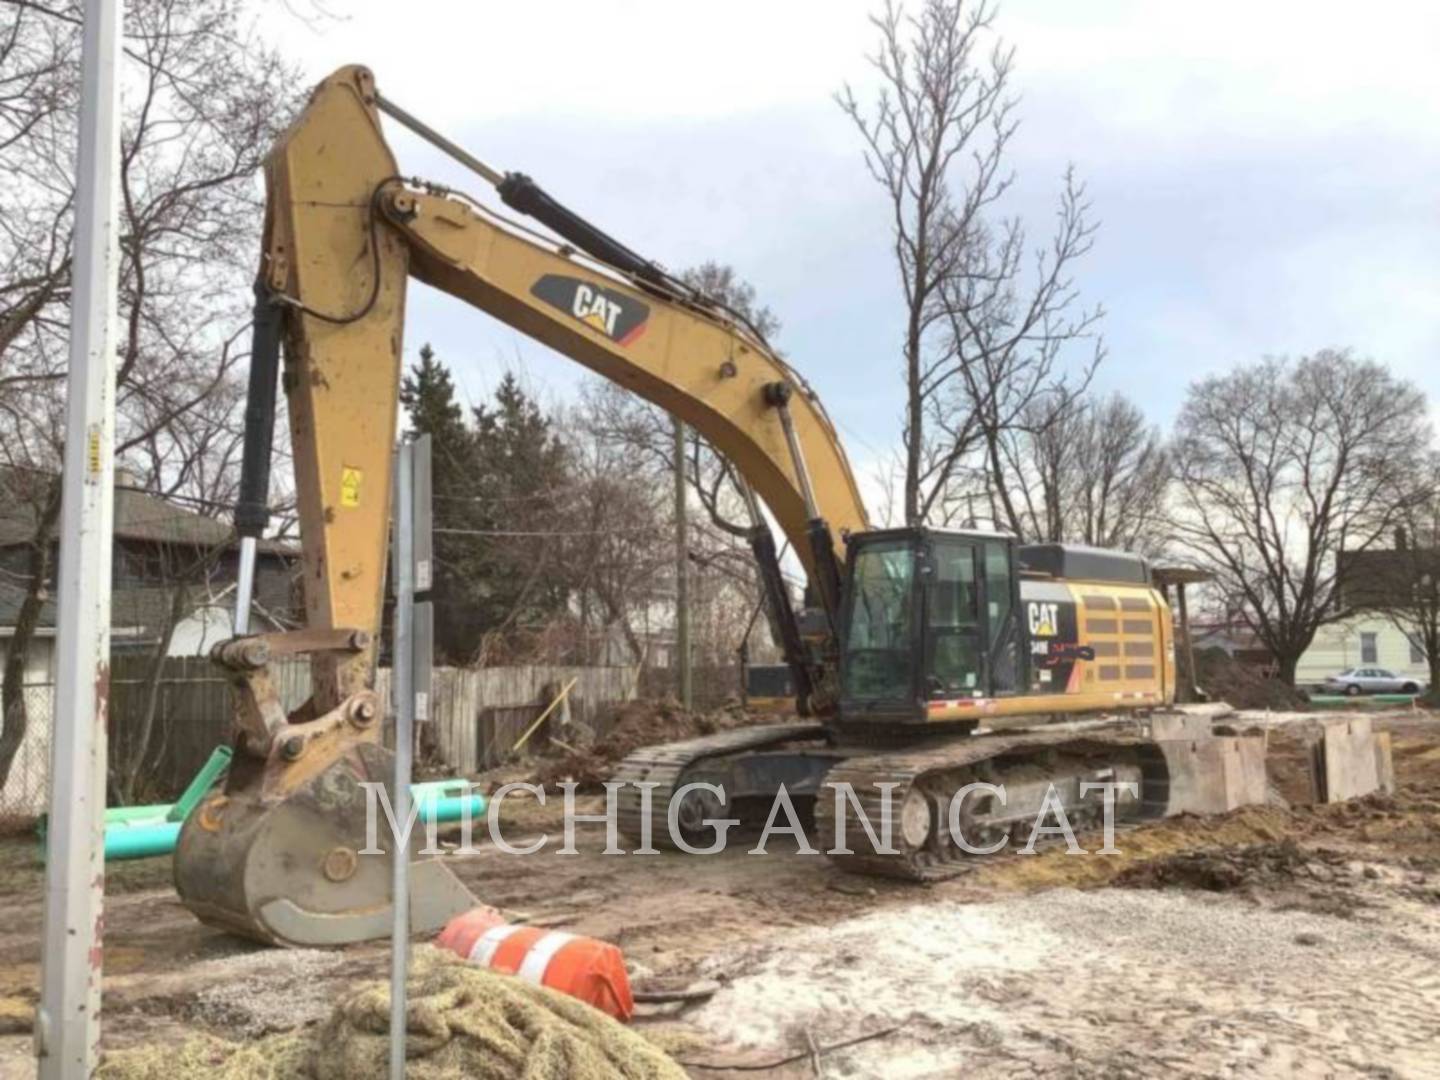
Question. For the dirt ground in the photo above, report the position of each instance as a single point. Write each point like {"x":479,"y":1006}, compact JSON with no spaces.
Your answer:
{"x":1275,"y":941}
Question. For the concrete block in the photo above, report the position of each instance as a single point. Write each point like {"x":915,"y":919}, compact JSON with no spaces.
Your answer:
{"x":1214,"y":775}
{"x":1384,"y":763}
{"x":1350,"y":760}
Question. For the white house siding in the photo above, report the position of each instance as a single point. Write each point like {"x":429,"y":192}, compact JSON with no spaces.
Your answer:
{"x":1337,"y":647}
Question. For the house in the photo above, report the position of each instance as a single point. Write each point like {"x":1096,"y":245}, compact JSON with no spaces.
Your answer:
{"x":159,"y":545}
{"x":1362,"y":640}
{"x":1374,"y":582}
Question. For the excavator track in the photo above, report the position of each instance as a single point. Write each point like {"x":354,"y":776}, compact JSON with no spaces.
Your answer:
{"x":666,"y":766}
{"x":925,"y":778}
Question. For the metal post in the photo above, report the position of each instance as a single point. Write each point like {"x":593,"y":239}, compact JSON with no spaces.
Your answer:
{"x":682,"y":574}
{"x":1190,"y":684}
{"x":67,"y":1023}
{"x":403,"y":689}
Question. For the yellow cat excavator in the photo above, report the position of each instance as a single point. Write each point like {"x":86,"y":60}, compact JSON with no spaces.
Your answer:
{"x":916,"y":639}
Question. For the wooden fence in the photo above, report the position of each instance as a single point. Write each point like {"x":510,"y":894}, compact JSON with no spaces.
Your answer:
{"x":474,"y":720}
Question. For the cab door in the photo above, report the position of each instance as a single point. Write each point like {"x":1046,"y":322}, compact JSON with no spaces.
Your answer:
{"x":953,"y":663}
{"x":973,"y":643}
{"x":1007,"y":649}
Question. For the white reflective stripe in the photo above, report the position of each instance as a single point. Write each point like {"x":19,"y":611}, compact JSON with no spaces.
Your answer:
{"x":484,"y":950}
{"x":540,"y":955}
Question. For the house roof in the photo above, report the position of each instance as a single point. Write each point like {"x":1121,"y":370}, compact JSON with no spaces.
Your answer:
{"x":139,"y":516}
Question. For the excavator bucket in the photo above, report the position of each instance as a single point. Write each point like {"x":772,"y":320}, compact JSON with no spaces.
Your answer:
{"x":297,"y":849}
{"x":312,"y":868}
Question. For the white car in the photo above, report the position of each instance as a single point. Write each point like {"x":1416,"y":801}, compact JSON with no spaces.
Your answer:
{"x":1370,"y":680}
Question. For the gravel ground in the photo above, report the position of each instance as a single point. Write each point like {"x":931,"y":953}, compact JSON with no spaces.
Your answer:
{"x":243,"y":1000}
{"x":1060,"y":983}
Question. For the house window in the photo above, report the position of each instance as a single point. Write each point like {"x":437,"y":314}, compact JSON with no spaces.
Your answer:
{"x":1417,"y":654}
{"x":1369,"y":649}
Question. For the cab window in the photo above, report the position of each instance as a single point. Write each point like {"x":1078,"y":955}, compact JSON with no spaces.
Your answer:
{"x":1001,"y":621}
{"x":878,"y":645}
{"x":953,"y":617}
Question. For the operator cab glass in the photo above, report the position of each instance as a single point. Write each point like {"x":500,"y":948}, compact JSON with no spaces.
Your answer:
{"x":879,"y":644}
{"x":929,"y":616}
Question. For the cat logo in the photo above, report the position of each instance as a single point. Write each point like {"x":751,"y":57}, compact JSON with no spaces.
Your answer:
{"x":1043,"y":619}
{"x":620,"y":318}
{"x":594,"y":307}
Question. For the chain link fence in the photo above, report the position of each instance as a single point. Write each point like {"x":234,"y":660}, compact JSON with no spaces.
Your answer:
{"x":26,"y":791}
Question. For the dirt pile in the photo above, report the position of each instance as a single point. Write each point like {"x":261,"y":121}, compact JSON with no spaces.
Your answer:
{"x":1244,"y":685}
{"x":633,"y":725}
{"x":1228,"y":869}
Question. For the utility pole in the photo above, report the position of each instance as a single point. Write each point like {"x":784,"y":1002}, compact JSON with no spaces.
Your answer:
{"x":67,"y":1023}
{"x":682,"y":575}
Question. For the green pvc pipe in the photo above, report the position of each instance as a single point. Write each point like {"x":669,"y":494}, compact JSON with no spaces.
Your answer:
{"x":123,"y":815}
{"x":446,"y":809}
{"x":118,"y":816}
{"x":217,"y":763}
{"x":141,"y":841}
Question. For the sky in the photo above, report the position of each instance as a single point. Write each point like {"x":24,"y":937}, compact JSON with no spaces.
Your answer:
{"x":1263,"y":172}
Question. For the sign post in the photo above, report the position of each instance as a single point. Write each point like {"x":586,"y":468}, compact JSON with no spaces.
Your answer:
{"x":67,"y":1022}
{"x":410,"y":665}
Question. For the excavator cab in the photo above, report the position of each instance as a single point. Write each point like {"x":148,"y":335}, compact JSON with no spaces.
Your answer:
{"x":929,"y":616}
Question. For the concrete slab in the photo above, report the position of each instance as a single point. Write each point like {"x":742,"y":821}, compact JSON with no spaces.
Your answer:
{"x":1350,"y":760}
{"x":1214,"y":775}
{"x":1384,"y":763}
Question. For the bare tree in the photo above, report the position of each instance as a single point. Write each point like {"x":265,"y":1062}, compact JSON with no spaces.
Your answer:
{"x":1279,"y":468}
{"x":625,"y":569}
{"x":981,"y":343}
{"x":1095,"y":472}
{"x":621,"y":504}
{"x":204,"y":100}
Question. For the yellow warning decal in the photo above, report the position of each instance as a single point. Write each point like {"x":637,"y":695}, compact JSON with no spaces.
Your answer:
{"x":350,"y":478}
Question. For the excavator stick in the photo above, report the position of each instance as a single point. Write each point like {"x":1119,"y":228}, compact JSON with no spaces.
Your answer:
{"x":280,"y":854}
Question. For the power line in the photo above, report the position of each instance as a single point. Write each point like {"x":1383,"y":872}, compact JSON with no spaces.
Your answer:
{"x":585,"y":534}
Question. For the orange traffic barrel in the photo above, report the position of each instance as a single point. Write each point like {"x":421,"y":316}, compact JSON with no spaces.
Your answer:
{"x":590,"y":970}
{"x":464,"y":930}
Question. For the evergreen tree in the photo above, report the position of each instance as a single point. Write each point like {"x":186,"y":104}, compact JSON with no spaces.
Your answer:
{"x":522,"y":470}
{"x":428,"y":396}
{"x":498,"y":485}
